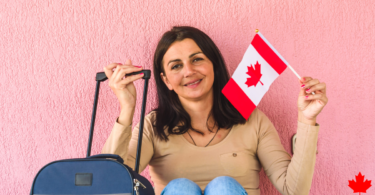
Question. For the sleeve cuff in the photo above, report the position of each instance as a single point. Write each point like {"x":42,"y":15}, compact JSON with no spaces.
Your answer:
{"x":308,"y":127}
{"x":308,"y":136}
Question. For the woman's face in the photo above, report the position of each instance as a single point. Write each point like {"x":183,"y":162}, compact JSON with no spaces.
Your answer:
{"x":187,"y":70}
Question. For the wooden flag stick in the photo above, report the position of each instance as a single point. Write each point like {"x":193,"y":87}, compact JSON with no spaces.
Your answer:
{"x":289,"y":66}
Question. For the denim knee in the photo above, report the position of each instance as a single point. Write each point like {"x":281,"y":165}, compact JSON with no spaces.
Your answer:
{"x":182,"y":186}
{"x":224,"y":185}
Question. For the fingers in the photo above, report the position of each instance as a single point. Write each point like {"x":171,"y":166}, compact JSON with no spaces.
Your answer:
{"x":128,"y":62}
{"x":130,"y":79}
{"x":311,"y":86}
{"x":318,"y":88}
{"x":321,"y":97}
{"x":304,"y":80}
{"x":112,"y":82}
{"x":126,"y":70}
{"x":108,"y":69}
{"x":116,"y":77}
{"x":119,"y":82}
{"x":309,"y":82}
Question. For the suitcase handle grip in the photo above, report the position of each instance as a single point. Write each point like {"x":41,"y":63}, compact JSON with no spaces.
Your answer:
{"x":100,"y":76}
{"x":115,"y":156}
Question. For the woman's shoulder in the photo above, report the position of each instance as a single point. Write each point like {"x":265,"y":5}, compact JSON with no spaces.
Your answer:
{"x":151,"y":118}
{"x":148,"y":122}
{"x":150,"y":125}
{"x":151,"y":115}
{"x":255,"y":116}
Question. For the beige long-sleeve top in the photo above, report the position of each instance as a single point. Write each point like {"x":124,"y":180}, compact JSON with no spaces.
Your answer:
{"x":241,"y":155}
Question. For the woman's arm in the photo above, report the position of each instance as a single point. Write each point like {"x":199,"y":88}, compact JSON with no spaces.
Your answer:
{"x":118,"y":141}
{"x":121,"y":134}
{"x":288,"y":175}
{"x":294,"y":175}
{"x":147,"y":150}
{"x":123,"y":142}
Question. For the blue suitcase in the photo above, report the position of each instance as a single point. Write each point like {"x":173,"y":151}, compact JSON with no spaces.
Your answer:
{"x":102,"y":174}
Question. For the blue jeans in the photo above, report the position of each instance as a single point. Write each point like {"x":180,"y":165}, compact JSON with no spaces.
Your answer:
{"x":222,"y":185}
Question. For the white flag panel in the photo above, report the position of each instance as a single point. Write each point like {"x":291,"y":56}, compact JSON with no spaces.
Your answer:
{"x":251,"y":57}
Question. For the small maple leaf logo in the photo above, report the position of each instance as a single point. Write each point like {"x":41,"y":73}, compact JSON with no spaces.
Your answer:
{"x":359,"y":185}
{"x":254,"y":75}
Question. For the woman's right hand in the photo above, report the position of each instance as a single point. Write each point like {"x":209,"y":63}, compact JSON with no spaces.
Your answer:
{"x":123,"y":87}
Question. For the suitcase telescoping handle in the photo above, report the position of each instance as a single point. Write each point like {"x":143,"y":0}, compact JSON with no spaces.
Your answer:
{"x":100,"y":76}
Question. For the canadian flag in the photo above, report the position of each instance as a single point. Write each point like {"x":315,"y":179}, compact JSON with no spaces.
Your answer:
{"x":260,"y":66}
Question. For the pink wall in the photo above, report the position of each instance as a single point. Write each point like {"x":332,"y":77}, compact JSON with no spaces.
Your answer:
{"x":50,"y":51}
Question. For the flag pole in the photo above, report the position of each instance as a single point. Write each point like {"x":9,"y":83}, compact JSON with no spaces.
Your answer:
{"x":290,"y":67}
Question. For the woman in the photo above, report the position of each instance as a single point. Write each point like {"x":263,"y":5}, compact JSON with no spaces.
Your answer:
{"x":196,"y":140}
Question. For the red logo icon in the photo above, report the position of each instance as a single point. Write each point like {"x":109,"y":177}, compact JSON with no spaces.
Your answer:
{"x":255,"y":75}
{"x":359,"y":185}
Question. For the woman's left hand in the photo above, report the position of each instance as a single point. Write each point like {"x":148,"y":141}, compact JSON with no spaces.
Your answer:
{"x":310,"y":105}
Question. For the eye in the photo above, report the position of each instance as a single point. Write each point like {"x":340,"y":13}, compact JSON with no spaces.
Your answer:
{"x":197,"y":59}
{"x":176,"y":66}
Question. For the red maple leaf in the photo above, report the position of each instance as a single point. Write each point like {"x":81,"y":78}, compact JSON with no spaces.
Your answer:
{"x":254,"y":75}
{"x":359,"y":185}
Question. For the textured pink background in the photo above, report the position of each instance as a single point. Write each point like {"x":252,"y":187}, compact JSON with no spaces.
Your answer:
{"x":50,"y":51}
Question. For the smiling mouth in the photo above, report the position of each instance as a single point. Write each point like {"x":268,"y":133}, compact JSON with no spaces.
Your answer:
{"x":194,"y":82}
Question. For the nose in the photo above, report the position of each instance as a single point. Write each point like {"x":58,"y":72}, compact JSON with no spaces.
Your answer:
{"x":189,"y":69}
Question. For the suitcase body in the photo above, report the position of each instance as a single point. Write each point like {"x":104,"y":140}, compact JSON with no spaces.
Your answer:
{"x":102,"y":174}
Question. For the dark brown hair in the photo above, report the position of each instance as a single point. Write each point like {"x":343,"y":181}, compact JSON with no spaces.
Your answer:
{"x":170,"y":112}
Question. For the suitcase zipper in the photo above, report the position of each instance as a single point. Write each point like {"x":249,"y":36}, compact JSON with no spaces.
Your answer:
{"x":137,"y":184}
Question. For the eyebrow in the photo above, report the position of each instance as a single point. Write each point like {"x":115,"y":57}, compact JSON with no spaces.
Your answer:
{"x":176,"y":60}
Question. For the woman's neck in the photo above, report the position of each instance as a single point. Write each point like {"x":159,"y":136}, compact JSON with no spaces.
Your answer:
{"x":199,"y":111}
